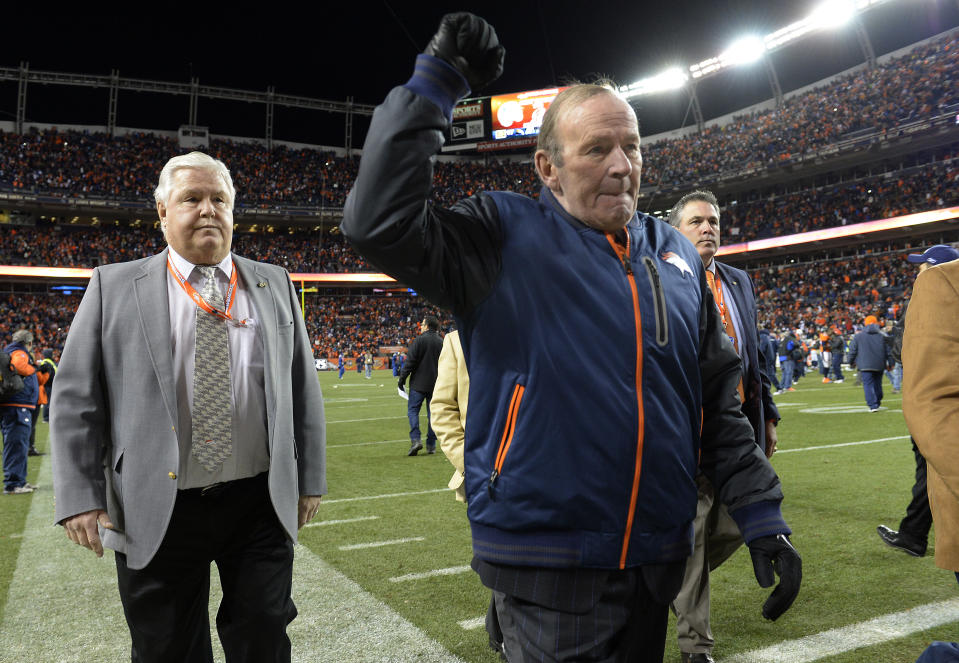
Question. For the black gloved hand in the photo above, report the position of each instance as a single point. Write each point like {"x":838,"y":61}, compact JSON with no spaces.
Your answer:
{"x":775,"y":553}
{"x":402,"y":385}
{"x":469,"y":44}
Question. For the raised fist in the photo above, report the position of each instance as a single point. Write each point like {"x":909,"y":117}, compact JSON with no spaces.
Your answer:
{"x":470,"y":45}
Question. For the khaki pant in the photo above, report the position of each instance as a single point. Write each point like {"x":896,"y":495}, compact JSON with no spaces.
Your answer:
{"x":716,"y":538}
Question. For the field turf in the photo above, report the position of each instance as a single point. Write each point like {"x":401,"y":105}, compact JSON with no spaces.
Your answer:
{"x":382,"y":573}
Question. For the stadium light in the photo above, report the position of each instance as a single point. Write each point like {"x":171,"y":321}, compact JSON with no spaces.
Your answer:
{"x":671,"y":79}
{"x":829,"y":14}
{"x":833,"y":14}
{"x":743,"y":51}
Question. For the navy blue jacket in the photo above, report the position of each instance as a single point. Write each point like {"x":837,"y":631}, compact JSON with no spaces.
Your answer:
{"x":868,"y":350}
{"x":28,"y":396}
{"x":593,"y":469}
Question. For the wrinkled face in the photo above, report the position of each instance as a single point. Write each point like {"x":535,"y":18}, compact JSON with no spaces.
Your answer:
{"x":197,"y":217}
{"x":699,"y":222}
{"x":598,"y":179}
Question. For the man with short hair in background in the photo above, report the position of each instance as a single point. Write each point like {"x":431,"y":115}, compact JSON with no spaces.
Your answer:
{"x":189,"y":429}
{"x":580,"y":487}
{"x":716,"y":535}
{"x":52,"y":370}
{"x":837,"y":349}
{"x":16,"y":415}
{"x":420,"y":367}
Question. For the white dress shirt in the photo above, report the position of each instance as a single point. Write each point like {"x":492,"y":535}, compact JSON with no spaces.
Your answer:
{"x":732,"y":313}
{"x":250,"y":455}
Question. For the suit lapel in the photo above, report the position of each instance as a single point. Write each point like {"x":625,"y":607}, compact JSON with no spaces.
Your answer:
{"x":153,"y":308}
{"x":737,"y":290}
{"x":262,"y":299}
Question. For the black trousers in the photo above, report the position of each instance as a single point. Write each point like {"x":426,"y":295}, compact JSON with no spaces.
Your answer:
{"x":166,"y":602}
{"x":566,"y":615}
{"x":918,"y":519}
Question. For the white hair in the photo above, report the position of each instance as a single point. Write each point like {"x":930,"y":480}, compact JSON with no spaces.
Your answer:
{"x":197,"y":160}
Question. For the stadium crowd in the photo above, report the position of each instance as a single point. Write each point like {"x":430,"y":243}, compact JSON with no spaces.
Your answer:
{"x":809,"y":296}
{"x":913,"y":189}
{"x":812,"y":296}
{"x":916,"y":85}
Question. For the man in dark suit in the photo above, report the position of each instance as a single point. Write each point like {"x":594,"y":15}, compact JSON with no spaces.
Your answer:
{"x":420,"y":368}
{"x":189,"y":429}
{"x":696,"y":216}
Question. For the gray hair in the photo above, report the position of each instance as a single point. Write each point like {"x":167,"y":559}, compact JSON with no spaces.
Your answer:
{"x":701,"y":195}
{"x":197,"y":160}
{"x":24,"y":336}
{"x":570,"y":98}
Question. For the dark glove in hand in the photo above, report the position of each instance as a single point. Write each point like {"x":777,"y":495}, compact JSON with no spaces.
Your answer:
{"x":469,"y":44}
{"x":402,"y":385}
{"x":775,"y":553}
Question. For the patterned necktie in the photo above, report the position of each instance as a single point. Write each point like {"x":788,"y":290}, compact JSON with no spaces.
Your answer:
{"x":212,"y":404}
{"x":728,"y":325}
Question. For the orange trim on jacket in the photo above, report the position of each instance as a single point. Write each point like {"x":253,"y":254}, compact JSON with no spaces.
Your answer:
{"x":623,"y":253}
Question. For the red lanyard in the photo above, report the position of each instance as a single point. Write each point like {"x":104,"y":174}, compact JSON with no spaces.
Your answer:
{"x":195,"y":296}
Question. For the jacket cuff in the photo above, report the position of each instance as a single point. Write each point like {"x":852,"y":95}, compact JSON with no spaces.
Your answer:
{"x":760,"y":519}
{"x":439,"y":82}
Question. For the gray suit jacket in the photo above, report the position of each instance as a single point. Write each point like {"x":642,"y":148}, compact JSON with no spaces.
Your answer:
{"x":113,"y":433}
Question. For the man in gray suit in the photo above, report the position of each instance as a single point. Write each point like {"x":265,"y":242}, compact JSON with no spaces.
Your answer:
{"x":190,"y":429}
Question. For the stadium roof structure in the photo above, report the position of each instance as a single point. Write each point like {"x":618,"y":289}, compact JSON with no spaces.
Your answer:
{"x":281,"y":77}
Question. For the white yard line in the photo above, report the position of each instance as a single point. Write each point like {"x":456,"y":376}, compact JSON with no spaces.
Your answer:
{"x":864,"y":634}
{"x":472,"y":624}
{"x":386,"y":496}
{"x":63,"y":606}
{"x":380,"y":544}
{"x":363,"y":444}
{"x":325,"y":523}
{"x":843,"y":444}
{"x":353,"y":421}
{"x":449,"y":571}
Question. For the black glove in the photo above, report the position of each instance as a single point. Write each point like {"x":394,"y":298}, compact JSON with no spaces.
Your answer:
{"x":402,"y":385}
{"x":775,"y":553}
{"x":470,"y":45}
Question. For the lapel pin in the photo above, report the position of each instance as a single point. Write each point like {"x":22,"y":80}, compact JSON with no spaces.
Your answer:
{"x":261,"y":284}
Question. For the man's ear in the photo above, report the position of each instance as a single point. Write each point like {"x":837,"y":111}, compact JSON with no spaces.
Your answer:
{"x":161,"y":213}
{"x":547,"y":171}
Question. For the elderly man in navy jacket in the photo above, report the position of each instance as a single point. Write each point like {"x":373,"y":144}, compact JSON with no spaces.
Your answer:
{"x":581,"y":488}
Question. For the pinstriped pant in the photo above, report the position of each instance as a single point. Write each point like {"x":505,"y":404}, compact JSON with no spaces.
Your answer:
{"x":626,"y":624}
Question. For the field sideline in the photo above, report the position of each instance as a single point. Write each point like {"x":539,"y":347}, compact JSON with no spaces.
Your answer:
{"x":382,"y":573}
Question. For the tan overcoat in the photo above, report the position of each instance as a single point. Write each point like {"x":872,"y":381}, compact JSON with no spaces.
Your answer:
{"x":930,"y":397}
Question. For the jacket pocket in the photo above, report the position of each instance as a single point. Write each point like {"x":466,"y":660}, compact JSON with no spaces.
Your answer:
{"x":659,"y":302}
{"x":506,"y":439}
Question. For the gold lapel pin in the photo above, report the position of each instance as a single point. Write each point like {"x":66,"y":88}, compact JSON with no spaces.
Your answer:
{"x":261,"y":284}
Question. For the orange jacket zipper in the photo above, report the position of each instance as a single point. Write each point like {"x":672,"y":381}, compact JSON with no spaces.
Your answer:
{"x":507,"y":439}
{"x":623,"y":254}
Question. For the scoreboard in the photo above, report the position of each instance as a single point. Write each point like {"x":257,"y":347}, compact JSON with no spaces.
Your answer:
{"x":502,"y":122}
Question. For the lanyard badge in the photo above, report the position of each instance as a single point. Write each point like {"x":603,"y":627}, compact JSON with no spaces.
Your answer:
{"x":202,"y":303}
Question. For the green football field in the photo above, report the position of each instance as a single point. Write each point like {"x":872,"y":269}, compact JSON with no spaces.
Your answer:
{"x":383,"y":573}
